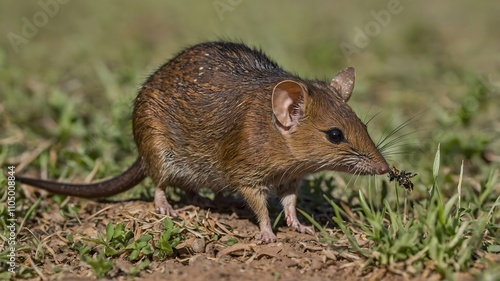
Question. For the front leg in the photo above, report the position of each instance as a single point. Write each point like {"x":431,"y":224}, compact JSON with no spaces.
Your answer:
{"x":256,"y":197}
{"x":288,"y":196}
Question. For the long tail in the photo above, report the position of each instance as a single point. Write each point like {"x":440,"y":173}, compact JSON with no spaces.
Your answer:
{"x":126,"y":180}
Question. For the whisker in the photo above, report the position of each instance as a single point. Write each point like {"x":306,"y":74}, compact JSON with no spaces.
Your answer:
{"x":403,"y":137}
{"x":396,"y":148}
{"x":350,"y":179}
{"x":373,"y":117}
{"x":396,"y":130}
{"x":384,"y":131}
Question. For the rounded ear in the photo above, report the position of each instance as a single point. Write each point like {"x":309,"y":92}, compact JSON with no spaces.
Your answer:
{"x":288,"y":102}
{"x":343,"y":82}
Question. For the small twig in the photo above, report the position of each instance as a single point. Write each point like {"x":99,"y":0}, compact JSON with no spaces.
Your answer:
{"x":28,"y":157}
{"x":36,"y":269}
{"x":99,"y":212}
{"x":92,"y":173}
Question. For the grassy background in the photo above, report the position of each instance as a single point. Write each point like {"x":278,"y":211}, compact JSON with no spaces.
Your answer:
{"x":73,"y":81}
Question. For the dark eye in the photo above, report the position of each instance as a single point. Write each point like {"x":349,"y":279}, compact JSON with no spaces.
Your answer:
{"x":335,"y":135}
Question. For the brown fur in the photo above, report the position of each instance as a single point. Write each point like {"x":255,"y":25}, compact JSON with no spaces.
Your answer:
{"x":207,"y":118}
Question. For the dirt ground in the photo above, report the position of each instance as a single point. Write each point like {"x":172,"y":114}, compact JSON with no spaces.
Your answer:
{"x":199,"y":257}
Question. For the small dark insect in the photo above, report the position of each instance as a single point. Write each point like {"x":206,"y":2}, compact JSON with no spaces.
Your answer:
{"x":402,"y":177}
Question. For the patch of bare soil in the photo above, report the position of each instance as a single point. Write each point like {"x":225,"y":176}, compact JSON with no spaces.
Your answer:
{"x":234,"y":255}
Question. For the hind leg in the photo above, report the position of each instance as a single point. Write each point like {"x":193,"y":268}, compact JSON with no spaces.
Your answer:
{"x":161,"y":203}
{"x":159,"y":169}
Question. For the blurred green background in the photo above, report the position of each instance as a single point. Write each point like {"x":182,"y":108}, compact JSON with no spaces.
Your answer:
{"x":427,"y":70}
{"x":69,"y":71}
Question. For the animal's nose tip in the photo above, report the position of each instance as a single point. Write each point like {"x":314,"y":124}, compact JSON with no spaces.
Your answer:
{"x":382,"y":169}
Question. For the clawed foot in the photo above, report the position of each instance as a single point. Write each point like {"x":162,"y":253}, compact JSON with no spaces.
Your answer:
{"x":289,"y":202}
{"x":161,"y":204}
{"x":166,"y":209}
{"x":294,"y":223}
{"x":266,"y":235}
